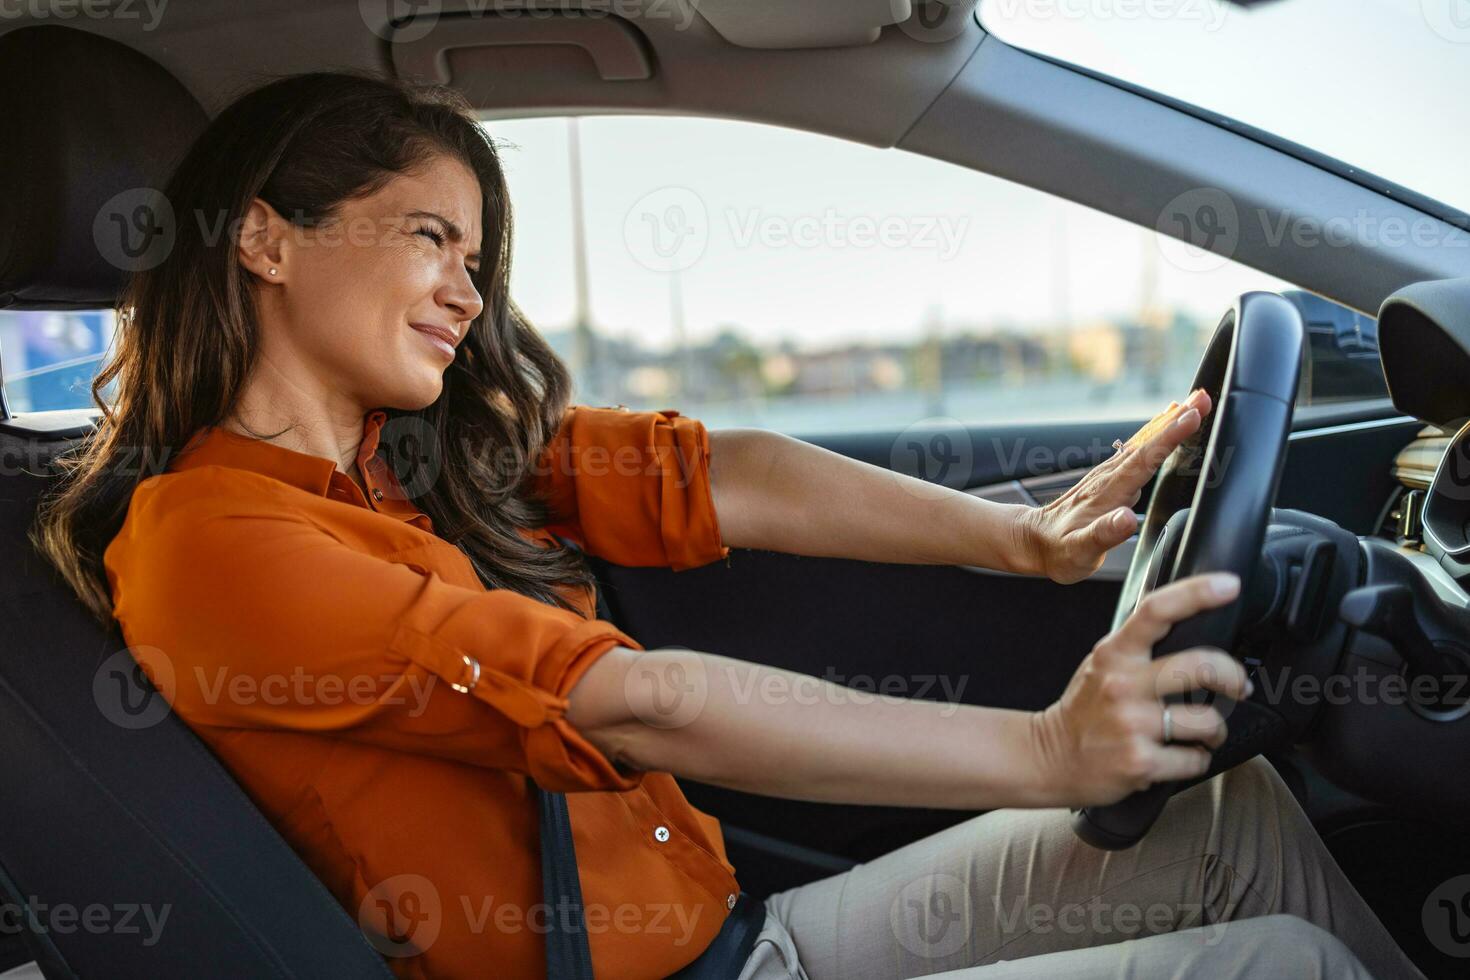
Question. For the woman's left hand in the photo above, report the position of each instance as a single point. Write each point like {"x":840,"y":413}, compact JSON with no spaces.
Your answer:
{"x":1070,"y":536}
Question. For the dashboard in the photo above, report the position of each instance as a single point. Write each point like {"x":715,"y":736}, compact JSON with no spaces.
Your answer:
{"x":1429,"y":512}
{"x":1445,"y":515}
{"x":1407,"y":654}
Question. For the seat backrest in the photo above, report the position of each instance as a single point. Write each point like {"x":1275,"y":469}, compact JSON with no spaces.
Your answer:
{"x":111,"y":808}
{"x":128,"y":848}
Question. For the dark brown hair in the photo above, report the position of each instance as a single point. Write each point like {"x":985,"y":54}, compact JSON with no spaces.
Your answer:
{"x":187,"y":335}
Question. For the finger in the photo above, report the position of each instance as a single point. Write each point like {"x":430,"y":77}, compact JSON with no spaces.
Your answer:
{"x":1199,"y":669}
{"x":1200,"y":400}
{"x":1137,"y":460}
{"x":1145,"y":460}
{"x":1162,"y":608}
{"x":1194,"y":723}
{"x":1140,"y":460}
{"x":1113,"y":528}
{"x":1155,"y":425}
{"x":1175,"y":762}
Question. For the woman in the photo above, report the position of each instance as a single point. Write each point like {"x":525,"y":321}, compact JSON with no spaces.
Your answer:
{"x":389,"y":648}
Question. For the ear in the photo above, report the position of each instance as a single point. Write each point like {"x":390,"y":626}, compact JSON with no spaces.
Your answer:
{"x":260,"y":248}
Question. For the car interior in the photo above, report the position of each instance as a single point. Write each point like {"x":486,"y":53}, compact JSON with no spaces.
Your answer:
{"x":1349,"y":518}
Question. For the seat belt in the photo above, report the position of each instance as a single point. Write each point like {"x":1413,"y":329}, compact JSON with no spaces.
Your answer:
{"x":568,"y":956}
{"x":567,"y":953}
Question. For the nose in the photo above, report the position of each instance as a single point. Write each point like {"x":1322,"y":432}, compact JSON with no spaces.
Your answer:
{"x":460,"y":297}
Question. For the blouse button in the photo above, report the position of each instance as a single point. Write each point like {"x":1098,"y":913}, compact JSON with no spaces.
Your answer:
{"x":730,"y":901}
{"x":469,"y":661}
{"x":661,"y":834}
{"x":377,"y":493}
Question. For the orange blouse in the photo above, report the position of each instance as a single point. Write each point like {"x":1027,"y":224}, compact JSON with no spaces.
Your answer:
{"x":319,"y":638}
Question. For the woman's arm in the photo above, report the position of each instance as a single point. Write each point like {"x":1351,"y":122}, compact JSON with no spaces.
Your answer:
{"x":781,"y":494}
{"x":777,"y":493}
{"x":777,"y":733}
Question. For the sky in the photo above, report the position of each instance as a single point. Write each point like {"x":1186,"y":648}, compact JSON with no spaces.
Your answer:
{"x":1378,"y":84}
{"x":790,"y":236}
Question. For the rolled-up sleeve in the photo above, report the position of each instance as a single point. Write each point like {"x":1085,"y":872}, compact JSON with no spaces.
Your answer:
{"x":255,"y":617}
{"x":633,"y":487}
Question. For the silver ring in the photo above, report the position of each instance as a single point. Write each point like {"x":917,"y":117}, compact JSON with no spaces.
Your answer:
{"x":1168,"y":726}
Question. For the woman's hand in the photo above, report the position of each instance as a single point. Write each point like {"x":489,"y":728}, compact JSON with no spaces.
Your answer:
{"x":1070,"y":536}
{"x":1104,"y":738}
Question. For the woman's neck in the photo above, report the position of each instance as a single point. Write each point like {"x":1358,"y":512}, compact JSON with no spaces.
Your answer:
{"x":333,"y":433}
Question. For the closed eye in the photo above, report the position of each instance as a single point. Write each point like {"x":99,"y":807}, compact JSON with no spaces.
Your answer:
{"x":437,"y":237}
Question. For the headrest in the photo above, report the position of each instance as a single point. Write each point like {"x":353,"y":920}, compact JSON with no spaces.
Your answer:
{"x":93,"y":127}
{"x":1424,"y":341}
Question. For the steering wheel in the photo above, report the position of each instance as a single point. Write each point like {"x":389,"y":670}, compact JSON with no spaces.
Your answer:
{"x":1209,"y":511}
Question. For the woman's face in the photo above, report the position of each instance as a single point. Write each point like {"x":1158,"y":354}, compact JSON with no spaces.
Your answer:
{"x":370,"y":306}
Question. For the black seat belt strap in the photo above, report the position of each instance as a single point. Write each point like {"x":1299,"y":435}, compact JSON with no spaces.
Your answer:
{"x":567,"y":954}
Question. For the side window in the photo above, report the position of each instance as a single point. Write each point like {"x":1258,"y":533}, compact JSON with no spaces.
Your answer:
{"x":1342,"y":357}
{"x":751,"y":275}
{"x":50,"y":358}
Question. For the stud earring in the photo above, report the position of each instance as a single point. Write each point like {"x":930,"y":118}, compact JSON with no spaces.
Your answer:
{"x":273,"y":271}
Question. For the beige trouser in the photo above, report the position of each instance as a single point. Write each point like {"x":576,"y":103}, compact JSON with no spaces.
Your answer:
{"x":1232,"y":881}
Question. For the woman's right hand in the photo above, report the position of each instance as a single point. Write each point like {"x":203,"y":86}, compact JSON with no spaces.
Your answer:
{"x":1103,"y":739}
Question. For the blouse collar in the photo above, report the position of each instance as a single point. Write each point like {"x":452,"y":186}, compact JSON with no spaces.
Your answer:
{"x":216,"y":446}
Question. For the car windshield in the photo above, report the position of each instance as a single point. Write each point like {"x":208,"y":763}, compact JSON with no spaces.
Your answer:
{"x":1376,"y":84}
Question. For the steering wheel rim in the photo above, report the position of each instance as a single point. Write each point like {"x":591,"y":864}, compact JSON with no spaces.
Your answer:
{"x":1226,"y":475}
